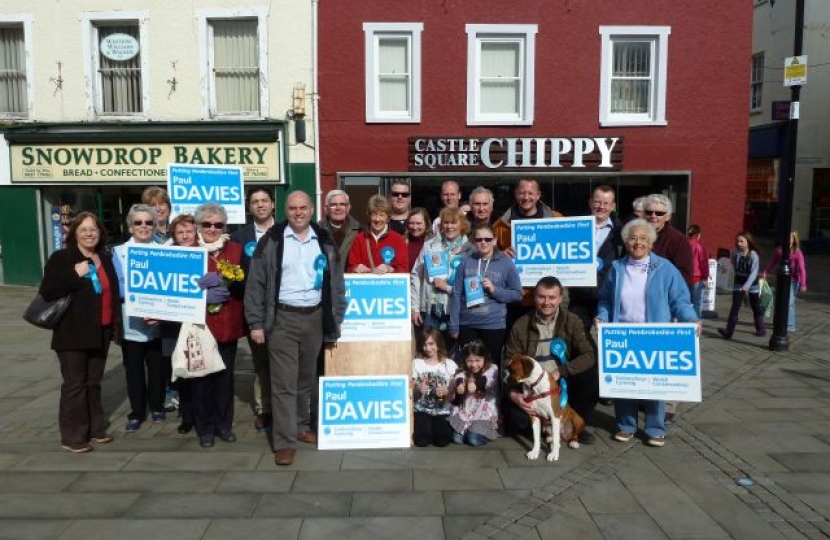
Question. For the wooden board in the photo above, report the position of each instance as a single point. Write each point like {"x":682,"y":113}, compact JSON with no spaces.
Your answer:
{"x":369,"y":358}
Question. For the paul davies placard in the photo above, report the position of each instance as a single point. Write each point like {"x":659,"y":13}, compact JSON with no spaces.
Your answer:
{"x":649,"y":361}
{"x":162,"y":282}
{"x":364,"y":412}
{"x":377,"y":308}
{"x":191,"y":185}
{"x":560,"y":247}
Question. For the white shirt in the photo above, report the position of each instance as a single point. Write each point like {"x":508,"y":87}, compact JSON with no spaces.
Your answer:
{"x":298,"y":271}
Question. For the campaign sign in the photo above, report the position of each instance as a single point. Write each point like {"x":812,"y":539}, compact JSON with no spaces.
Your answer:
{"x":560,"y":247}
{"x":437,"y":265}
{"x":191,"y":185}
{"x":649,"y":361}
{"x":707,"y":298}
{"x":162,"y":282}
{"x":364,"y":412}
{"x":377,"y":308}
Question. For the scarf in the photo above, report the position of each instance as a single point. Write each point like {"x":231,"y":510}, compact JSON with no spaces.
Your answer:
{"x":213,"y":246}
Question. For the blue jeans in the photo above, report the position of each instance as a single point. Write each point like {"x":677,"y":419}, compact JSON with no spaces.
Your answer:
{"x":791,"y":311}
{"x":473,"y":439}
{"x":696,"y":291}
{"x":626,"y":412}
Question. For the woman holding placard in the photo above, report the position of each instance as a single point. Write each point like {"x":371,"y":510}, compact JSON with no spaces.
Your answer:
{"x":643,"y":287}
{"x":141,"y":346}
{"x":432,"y":276}
{"x":485,"y":283}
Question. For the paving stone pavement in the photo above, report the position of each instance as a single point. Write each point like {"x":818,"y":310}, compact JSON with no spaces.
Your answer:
{"x":765,"y":416}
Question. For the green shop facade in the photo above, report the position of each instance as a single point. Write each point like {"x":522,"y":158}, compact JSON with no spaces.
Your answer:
{"x":53,"y":171}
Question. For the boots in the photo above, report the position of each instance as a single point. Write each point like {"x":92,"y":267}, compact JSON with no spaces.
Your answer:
{"x":727,"y":332}
{"x":760,"y":328}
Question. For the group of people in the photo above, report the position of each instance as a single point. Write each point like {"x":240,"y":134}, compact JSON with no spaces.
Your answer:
{"x":292,"y":301}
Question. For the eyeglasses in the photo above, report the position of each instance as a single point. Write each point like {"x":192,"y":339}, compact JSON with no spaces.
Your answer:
{"x":338,"y":205}
{"x":400,"y":194}
{"x":147,"y":222}
{"x":487,"y":240}
{"x":208,"y":225}
{"x":659,"y":213}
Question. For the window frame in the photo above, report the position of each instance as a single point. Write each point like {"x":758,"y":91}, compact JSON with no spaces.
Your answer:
{"x":756,"y":82}
{"x":89,"y":27}
{"x":24,"y":21}
{"x":373,"y":33}
{"x":658,"y":36}
{"x":208,"y":86}
{"x":525,"y":35}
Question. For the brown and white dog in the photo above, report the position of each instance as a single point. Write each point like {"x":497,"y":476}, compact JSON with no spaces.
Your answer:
{"x":541,"y":392}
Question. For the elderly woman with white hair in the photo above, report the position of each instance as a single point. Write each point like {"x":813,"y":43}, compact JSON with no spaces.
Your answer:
{"x":643,"y":287}
{"x":213,"y":394}
{"x":141,"y":344}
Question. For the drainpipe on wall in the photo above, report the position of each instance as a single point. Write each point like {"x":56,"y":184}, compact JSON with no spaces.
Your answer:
{"x":315,"y":99}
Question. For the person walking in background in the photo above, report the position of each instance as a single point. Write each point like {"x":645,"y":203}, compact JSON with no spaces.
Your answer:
{"x":432,"y":372}
{"x":746,"y":263}
{"x":82,"y":338}
{"x":418,"y":226}
{"x":798,"y":275}
{"x":643,"y":287}
{"x":141,"y":344}
{"x":700,"y":266}
{"x":261,"y":208}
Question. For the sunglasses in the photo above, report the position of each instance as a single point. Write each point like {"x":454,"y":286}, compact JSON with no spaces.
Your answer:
{"x":148,"y":222}
{"x":207,"y":225}
{"x":400,"y":194}
{"x":659,"y":213}
{"x":488,"y":240}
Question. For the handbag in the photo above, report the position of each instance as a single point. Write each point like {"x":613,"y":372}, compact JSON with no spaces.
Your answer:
{"x":196,"y":353}
{"x":47,"y":314}
{"x":766,"y":299}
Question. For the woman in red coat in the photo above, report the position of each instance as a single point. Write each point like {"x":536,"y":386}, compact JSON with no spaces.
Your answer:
{"x":378,"y":249}
{"x":213,"y":394}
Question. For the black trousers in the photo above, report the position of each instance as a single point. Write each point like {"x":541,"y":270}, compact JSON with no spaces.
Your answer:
{"x":81,"y":415}
{"x":492,"y":339}
{"x":144,"y":368}
{"x":213,"y":395}
{"x":431,"y":429}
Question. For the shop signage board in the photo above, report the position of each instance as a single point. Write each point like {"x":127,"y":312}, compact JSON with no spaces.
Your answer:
{"x":530,"y":154}
{"x":359,"y":412}
{"x":189,"y":186}
{"x":119,"y":47}
{"x":144,"y":163}
{"x":161,"y":282}
{"x":649,"y":361}
{"x":377,"y":308}
{"x":559,"y":247}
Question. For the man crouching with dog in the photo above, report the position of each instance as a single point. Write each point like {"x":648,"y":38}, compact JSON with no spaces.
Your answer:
{"x":575,"y":361}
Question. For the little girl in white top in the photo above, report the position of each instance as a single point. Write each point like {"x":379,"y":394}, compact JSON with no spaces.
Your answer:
{"x":431,"y":375}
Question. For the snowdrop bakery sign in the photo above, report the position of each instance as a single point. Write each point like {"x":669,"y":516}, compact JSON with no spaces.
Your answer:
{"x":515,"y":153}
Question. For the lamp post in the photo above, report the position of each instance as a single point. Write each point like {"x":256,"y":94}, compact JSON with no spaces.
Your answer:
{"x":779,"y":340}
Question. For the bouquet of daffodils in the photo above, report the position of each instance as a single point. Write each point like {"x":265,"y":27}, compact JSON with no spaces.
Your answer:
{"x":228,"y":273}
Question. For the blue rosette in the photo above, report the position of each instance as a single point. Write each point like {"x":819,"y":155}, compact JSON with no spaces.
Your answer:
{"x":387,"y":253}
{"x":320,"y":265}
{"x":559,"y":350}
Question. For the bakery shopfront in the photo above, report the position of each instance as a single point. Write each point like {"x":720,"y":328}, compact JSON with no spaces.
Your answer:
{"x":57,"y":170}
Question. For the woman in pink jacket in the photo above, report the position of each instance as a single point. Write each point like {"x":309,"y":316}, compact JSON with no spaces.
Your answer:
{"x":798,"y":274}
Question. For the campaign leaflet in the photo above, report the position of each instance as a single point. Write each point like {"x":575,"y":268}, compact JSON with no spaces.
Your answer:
{"x":560,"y":247}
{"x":437,"y":265}
{"x":162,"y":282}
{"x":192,"y":185}
{"x":364,"y":412}
{"x":473,"y":291}
{"x":649,"y":361}
{"x":377,"y":308}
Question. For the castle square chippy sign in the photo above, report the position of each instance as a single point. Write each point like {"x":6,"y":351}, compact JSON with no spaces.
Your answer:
{"x":515,"y":153}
